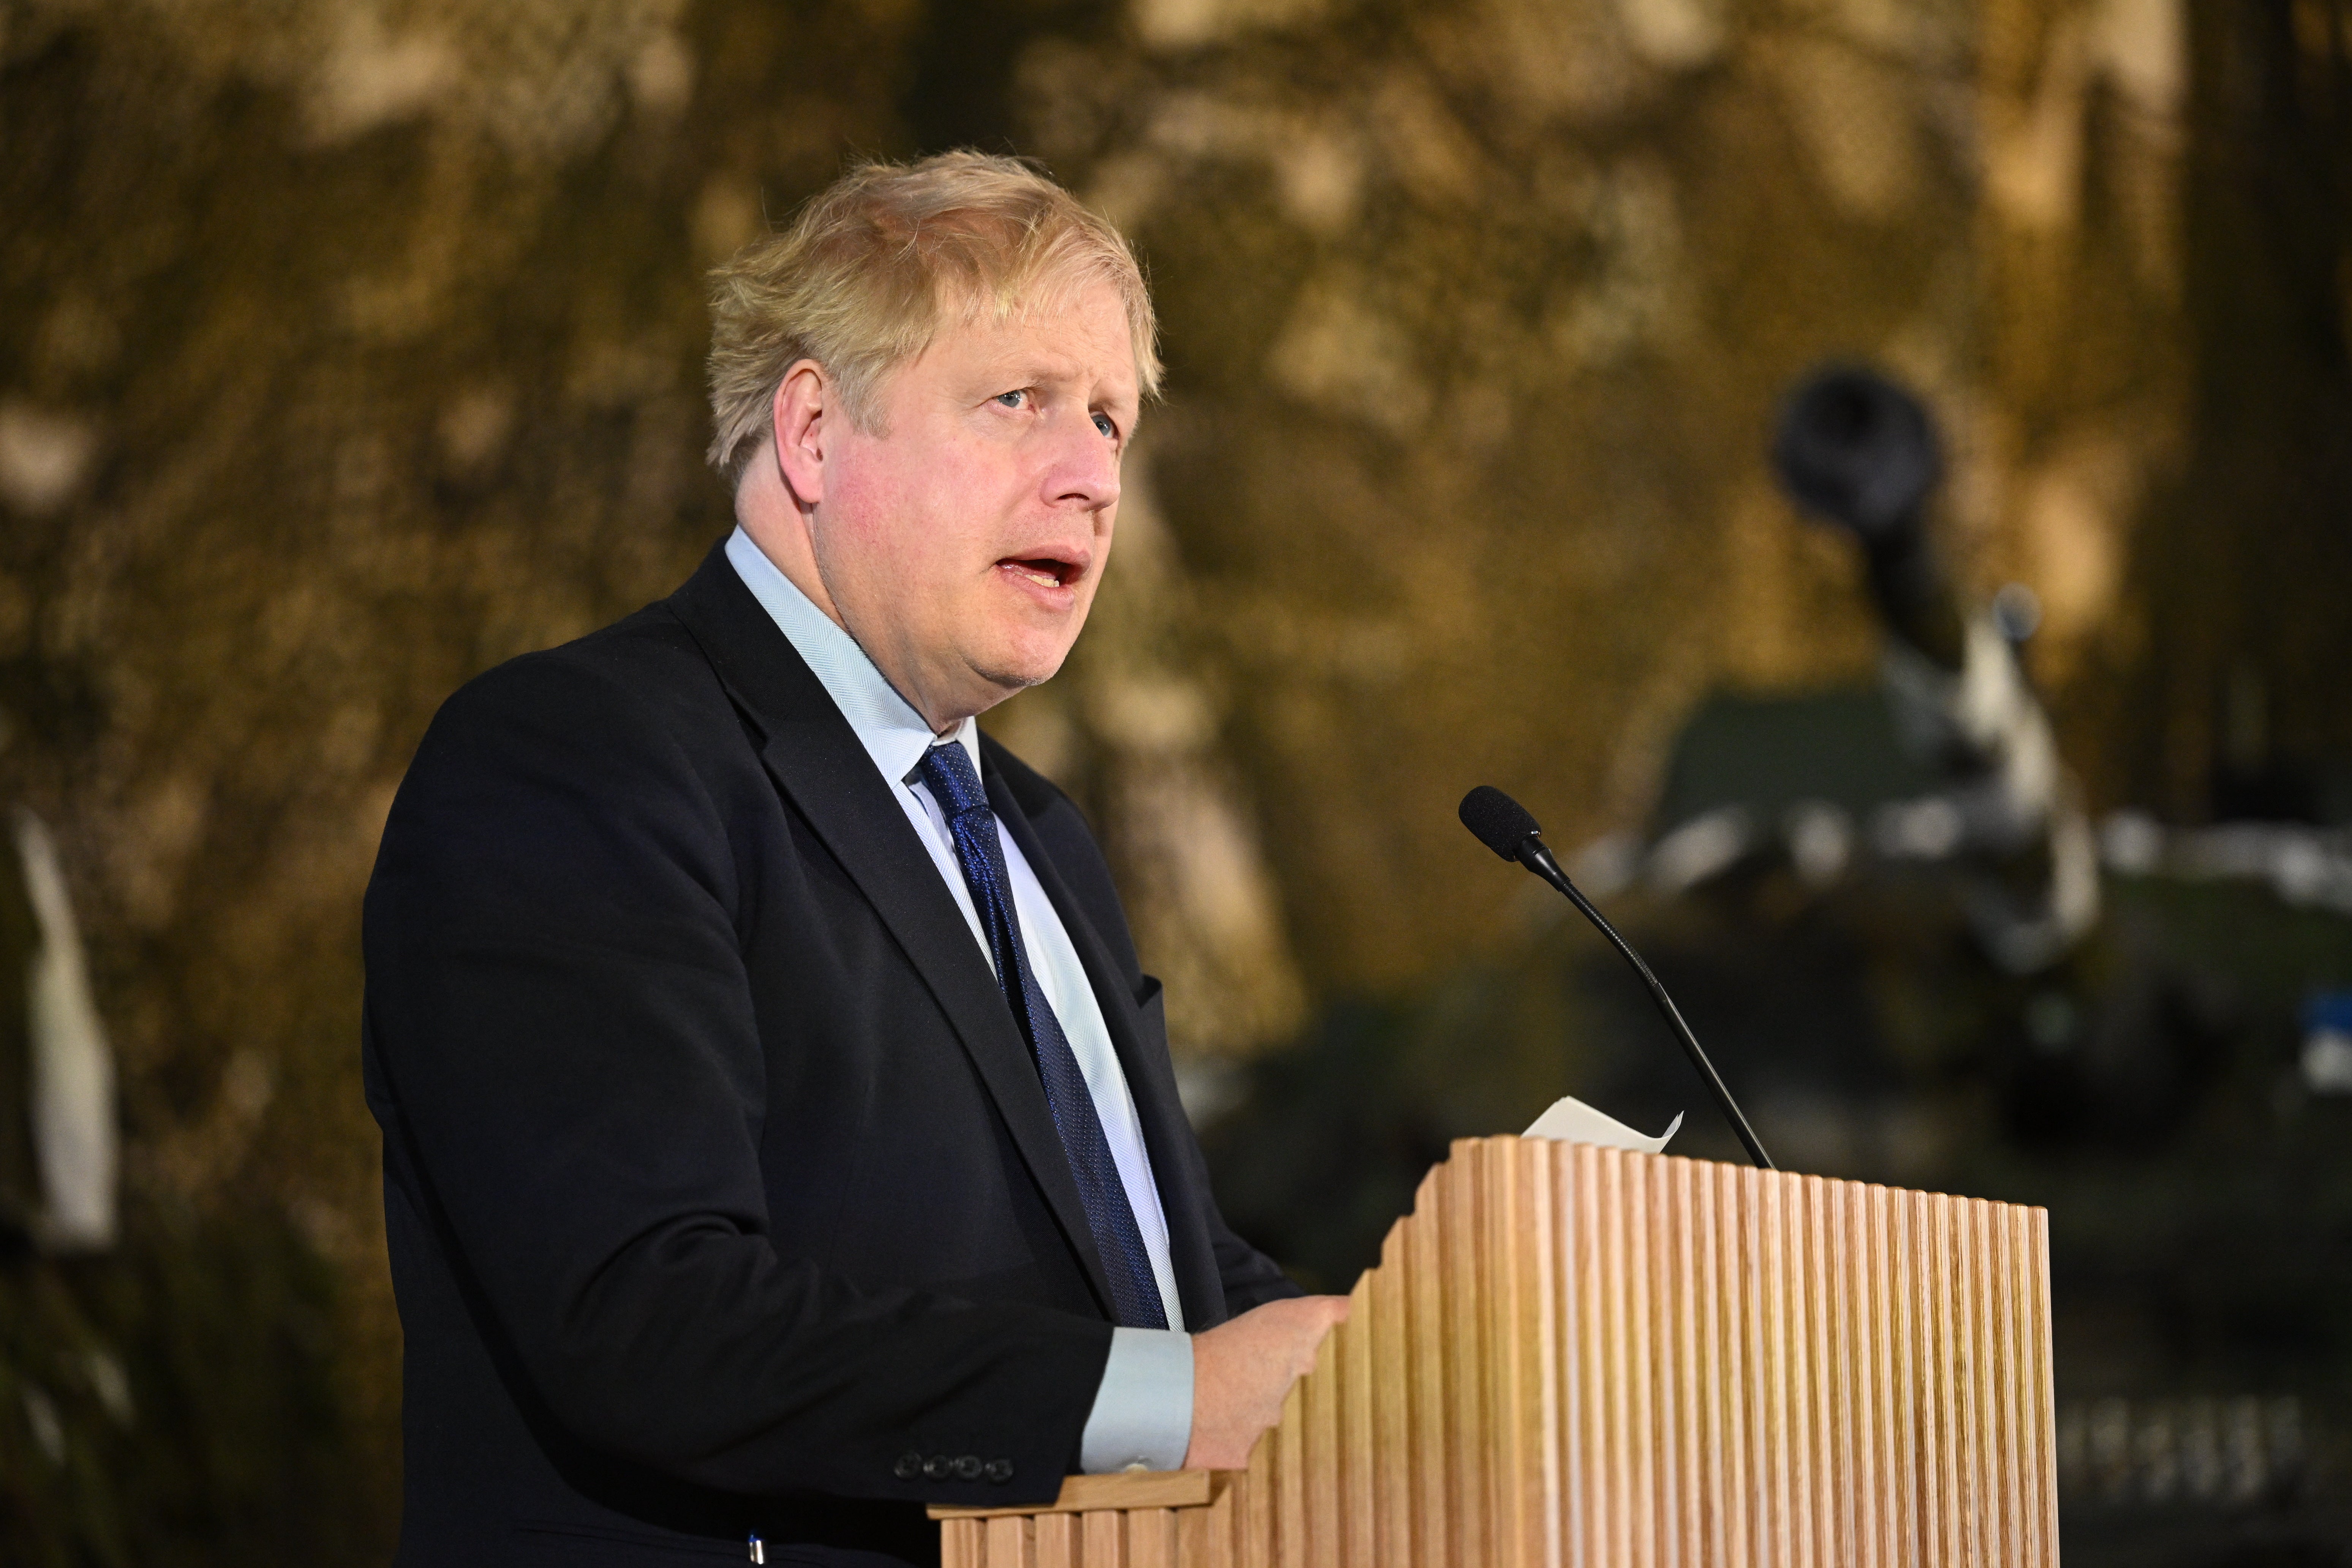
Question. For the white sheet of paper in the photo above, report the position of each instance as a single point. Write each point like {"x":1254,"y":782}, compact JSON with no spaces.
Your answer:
{"x":1570,"y":1120}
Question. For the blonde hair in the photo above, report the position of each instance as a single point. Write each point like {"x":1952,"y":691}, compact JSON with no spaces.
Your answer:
{"x":863,"y":278}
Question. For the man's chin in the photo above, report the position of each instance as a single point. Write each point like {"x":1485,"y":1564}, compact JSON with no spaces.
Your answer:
{"x":1011,"y":676}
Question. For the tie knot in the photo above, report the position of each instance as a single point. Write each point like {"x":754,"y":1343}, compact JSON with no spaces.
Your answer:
{"x":948,"y":771}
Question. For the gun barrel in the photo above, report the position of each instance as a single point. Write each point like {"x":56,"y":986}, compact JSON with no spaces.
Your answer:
{"x":1860,"y":451}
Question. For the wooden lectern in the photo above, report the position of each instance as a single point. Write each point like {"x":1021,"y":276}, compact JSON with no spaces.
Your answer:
{"x":1573,"y":1355}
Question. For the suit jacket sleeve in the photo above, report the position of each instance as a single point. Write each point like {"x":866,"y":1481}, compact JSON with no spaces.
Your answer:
{"x":559,"y":1007}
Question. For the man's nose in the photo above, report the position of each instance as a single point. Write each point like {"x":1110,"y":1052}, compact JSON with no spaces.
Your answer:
{"x":1084,"y":466}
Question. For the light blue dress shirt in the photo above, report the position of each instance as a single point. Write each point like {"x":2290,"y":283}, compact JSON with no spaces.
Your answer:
{"x":1144,"y":1409}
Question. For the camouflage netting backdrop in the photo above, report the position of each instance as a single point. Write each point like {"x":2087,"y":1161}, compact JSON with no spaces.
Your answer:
{"x":347,"y":348}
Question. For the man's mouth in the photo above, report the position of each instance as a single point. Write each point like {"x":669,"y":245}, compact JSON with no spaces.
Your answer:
{"x":1045,"y":570}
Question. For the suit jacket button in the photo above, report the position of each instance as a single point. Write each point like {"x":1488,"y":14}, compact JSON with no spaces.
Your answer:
{"x":910,"y":1466}
{"x":937,"y":1467}
{"x":967,"y":1469}
{"x":999,"y":1470}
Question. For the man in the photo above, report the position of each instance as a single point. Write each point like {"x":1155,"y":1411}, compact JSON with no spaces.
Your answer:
{"x":779,"y":1132}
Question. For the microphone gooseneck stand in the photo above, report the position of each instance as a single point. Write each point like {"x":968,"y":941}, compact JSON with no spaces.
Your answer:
{"x":1504,"y":825}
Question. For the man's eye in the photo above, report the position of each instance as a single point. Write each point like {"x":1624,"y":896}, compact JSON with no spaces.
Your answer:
{"x":1013,"y":399}
{"x":1109,"y":427}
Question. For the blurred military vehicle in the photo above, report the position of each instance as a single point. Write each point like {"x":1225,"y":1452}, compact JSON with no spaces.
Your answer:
{"x":1917,"y":961}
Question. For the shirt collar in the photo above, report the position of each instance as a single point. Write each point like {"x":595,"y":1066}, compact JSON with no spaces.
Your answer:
{"x":886,"y":724}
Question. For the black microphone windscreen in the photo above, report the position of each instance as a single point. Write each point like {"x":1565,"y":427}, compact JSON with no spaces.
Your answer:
{"x":1498,"y":821}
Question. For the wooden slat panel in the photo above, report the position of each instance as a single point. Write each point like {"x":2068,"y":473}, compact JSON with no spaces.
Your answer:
{"x":1730,"y":1243}
{"x":1778,"y":1500}
{"x":1611,"y":1389}
{"x":1319,"y":1481}
{"x":1359,"y":1502}
{"x":1584,"y":1402}
{"x":1967,"y":1545}
{"x":1838,"y":1376}
{"x":1633,"y":1174}
{"x":1260,"y":1532}
{"x":1509,"y":1453}
{"x":1288,"y":1440}
{"x":1102,"y":1539}
{"x":2040,"y":1503}
{"x":1204,"y":1536}
{"x":1873,"y":1432}
{"x":1925,"y":1379}
{"x":1512,"y":1461}
{"x":2025,"y":1470}
{"x":2044,"y":1403}
{"x":962,"y":1544}
{"x":1882,"y":1291}
{"x":1553,"y":1174}
{"x":1580,"y":1356}
{"x":2007,"y":1357}
{"x":1786,"y":1223}
{"x":1192,"y":1527}
{"x":1229,"y":1520}
{"x":1899,"y":1402}
{"x":1742,"y":1248}
{"x":1961,"y":1371}
{"x":1776,"y":1375}
{"x":1464,"y":1345}
{"x":1433,"y":1526}
{"x":1056,"y":1541}
{"x":2023,"y":1367}
{"x":1007,"y":1542}
{"x":1551,"y":1311}
{"x":1813,"y":1437}
{"x":1386,"y":1306}
{"x":1151,"y":1538}
{"x":1942,"y":1381}
{"x":1521,"y":1324}
{"x":1859,"y":1365}
{"x":1906,"y":1422}
{"x":1673,"y":1379}
{"x":1711,"y":1543}
{"x":1996,"y":1351}
{"x":1979,"y":1261}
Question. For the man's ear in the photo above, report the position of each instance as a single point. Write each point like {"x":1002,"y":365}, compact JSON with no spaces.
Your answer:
{"x":805,"y":415}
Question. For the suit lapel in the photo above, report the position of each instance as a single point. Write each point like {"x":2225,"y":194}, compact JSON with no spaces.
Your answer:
{"x":1150,"y":1082}
{"x":816,"y":758}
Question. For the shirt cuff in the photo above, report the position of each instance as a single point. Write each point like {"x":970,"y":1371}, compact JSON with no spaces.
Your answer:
{"x":1144,"y":1409}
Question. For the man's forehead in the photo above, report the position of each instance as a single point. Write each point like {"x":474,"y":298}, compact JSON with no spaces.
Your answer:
{"x":1070,"y":334}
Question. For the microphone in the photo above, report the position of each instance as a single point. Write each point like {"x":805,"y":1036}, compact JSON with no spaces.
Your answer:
{"x":1503,"y":825}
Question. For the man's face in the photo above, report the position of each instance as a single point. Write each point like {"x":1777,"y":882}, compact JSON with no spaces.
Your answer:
{"x":960,"y":544}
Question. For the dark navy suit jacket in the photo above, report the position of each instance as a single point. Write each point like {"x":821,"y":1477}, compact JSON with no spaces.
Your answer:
{"x":721,"y":1193}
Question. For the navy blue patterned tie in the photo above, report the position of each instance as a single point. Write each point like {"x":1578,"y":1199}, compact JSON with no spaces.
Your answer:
{"x":946,"y":771}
